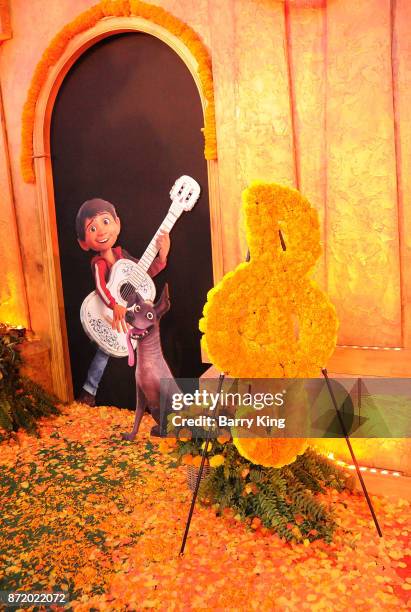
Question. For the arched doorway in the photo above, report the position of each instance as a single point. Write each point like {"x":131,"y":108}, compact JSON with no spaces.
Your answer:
{"x":126,"y":122}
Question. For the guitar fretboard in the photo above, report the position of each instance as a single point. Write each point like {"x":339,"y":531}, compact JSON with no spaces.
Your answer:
{"x":137,"y":276}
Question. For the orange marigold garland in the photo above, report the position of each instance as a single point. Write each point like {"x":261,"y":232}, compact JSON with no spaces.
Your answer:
{"x":88,"y":19}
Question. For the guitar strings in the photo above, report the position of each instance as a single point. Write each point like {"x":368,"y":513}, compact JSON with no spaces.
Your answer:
{"x":135,"y":279}
{"x":133,"y":282}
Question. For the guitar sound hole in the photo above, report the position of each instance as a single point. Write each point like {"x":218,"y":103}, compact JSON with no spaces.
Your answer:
{"x":127,"y":291}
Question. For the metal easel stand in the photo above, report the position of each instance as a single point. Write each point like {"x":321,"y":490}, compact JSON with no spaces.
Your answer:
{"x":203,"y":458}
{"x":353,"y":457}
{"x":200,"y":472}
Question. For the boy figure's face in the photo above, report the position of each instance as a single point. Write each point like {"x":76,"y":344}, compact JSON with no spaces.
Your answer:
{"x":100,"y":232}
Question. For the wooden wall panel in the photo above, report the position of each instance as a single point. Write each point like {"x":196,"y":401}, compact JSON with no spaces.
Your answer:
{"x":13,"y":305}
{"x":307,"y":59}
{"x":263,"y":108}
{"x":225,"y":67}
{"x":362,"y":233}
{"x":264,"y":129}
{"x":402,"y":90}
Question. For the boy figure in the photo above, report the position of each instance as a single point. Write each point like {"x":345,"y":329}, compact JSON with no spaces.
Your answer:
{"x":97,"y":228}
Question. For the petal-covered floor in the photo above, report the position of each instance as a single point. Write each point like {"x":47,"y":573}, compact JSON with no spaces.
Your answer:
{"x":101,"y":519}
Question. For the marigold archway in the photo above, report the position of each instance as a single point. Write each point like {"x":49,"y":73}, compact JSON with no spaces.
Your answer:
{"x":153,"y":20}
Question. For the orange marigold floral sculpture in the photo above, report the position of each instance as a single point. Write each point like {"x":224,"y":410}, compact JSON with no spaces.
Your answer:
{"x":251,"y":316}
{"x":268,"y":318}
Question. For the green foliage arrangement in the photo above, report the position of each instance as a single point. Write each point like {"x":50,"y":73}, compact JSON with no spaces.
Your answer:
{"x":22,"y":401}
{"x":284,"y":500}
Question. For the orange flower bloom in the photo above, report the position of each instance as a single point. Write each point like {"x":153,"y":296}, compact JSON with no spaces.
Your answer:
{"x":271,"y":452}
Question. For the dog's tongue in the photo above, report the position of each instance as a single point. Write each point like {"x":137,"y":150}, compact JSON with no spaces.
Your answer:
{"x":130,"y":348}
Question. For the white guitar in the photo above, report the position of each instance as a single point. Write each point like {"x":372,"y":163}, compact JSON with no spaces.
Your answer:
{"x":127,"y":276}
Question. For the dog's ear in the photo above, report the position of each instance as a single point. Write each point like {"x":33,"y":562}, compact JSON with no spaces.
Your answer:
{"x":163,"y":304}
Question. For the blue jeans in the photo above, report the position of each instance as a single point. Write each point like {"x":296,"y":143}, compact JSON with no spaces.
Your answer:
{"x":96,"y":371}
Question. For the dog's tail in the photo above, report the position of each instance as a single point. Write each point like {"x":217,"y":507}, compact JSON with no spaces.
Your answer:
{"x":131,"y":357}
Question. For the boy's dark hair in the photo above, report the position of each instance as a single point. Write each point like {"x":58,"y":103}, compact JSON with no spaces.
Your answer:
{"x":88,"y":210}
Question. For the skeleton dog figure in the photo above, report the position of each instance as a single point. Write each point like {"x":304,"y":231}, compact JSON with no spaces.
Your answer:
{"x":144,"y":318}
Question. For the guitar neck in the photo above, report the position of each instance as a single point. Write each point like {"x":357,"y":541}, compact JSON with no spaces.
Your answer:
{"x":151,"y":251}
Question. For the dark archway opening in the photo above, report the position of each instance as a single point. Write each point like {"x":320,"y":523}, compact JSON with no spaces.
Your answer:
{"x":126,"y":123}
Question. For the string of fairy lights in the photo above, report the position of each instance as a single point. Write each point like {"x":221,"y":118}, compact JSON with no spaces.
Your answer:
{"x":364,"y":468}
